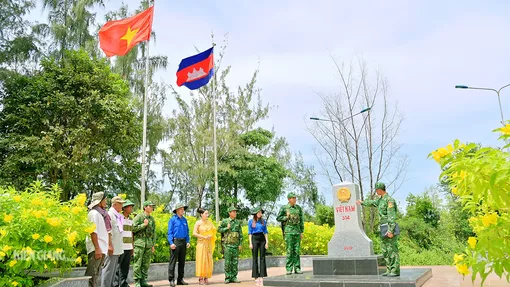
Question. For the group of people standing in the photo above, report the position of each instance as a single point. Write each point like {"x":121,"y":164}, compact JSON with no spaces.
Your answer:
{"x":116,"y":239}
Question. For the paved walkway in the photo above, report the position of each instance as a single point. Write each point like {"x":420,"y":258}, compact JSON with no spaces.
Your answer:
{"x":442,"y":276}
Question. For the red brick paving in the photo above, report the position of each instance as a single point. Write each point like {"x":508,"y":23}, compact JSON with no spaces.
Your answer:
{"x":442,"y":276}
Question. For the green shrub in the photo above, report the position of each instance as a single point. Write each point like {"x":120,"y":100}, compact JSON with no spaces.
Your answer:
{"x":37,"y":232}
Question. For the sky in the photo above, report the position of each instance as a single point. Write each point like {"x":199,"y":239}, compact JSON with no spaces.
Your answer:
{"x":423,"y":48}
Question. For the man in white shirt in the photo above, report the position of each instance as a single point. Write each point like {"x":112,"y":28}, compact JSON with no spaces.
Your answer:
{"x":97,"y":241}
{"x":112,"y":260}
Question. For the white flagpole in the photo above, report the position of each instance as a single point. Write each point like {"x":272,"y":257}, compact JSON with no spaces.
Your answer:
{"x":144,"y":140}
{"x":217,"y":204}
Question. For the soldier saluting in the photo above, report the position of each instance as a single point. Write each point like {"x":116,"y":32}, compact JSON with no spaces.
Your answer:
{"x":291,"y":215}
{"x":232,"y":240}
{"x":389,"y":229}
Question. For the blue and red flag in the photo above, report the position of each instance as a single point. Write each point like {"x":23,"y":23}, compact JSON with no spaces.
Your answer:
{"x":195,"y":72}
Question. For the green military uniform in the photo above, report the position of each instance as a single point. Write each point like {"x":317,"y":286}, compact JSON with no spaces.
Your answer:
{"x":294,"y":225}
{"x":145,"y":238}
{"x":387,"y":209}
{"x":232,"y":239}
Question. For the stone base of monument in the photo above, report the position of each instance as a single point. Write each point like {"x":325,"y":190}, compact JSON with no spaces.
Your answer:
{"x":409,"y":277}
{"x":364,"y":265}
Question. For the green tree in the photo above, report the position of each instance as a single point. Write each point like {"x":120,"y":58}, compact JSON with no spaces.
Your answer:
{"x":324,"y":215}
{"x":302,"y":181}
{"x":73,"y":123}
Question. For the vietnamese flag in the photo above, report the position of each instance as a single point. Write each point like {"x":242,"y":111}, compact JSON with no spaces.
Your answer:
{"x":118,"y":37}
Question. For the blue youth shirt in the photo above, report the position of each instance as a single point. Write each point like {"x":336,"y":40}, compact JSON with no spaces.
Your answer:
{"x":177,"y":228}
{"x":259,"y":228}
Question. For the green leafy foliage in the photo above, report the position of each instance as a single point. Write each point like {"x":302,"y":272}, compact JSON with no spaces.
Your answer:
{"x":73,"y":124}
{"x":40,"y":233}
{"x":480,"y":177}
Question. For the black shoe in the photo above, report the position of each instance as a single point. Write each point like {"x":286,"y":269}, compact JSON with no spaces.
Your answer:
{"x":181,"y":282}
{"x":172,"y":283}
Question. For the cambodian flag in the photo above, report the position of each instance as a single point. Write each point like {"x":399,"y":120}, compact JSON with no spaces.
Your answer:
{"x":196,"y":71}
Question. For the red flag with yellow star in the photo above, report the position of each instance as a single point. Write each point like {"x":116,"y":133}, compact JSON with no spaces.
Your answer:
{"x":118,"y":37}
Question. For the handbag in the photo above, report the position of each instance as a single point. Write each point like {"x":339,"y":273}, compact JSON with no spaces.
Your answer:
{"x":384,"y":229}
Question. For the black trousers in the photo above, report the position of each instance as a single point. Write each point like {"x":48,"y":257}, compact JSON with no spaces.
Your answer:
{"x":177,"y":254}
{"x":123,"y":270}
{"x":259,"y":243}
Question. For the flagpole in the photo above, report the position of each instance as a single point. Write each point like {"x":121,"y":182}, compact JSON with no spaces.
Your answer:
{"x":144,"y":137}
{"x":217,"y":204}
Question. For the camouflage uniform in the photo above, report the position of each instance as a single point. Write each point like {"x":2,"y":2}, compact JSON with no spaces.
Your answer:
{"x":145,"y":238}
{"x":387,"y":209}
{"x":293,"y":220}
{"x":232,"y":239}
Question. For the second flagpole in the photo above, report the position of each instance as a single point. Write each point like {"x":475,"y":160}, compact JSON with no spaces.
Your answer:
{"x":144,"y":137}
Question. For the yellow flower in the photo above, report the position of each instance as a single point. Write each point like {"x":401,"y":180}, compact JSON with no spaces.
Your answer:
{"x":6,"y":248}
{"x":3,"y":232}
{"x":65,"y":209}
{"x":17,"y":198}
{"x":81,"y":199}
{"x":462,"y":174}
{"x":8,"y":217}
{"x":12,"y":263}
{"x":441,"y":152}
{"x":123,"y":196}
{"x":45,"y":266}
{"x":76,"y":210}
{"x":455,"y":190}
{"x":36,"y":236}
{"x":37,"y":213}
{"x":48,"y":238}
{"x":53,"y":221}
{"x":14,"y":283}
{"x":78,"y":260}
{"x":472,"y":242}
{"x":462,"y":269}
{"x":36,"y":201}
{"x":59,"y":250}
{"x":2,"y":254}
{"x":489,"y":219}
{"x":505,"y":130}
{"x":91,"y":228}
{"x":72,"y":237}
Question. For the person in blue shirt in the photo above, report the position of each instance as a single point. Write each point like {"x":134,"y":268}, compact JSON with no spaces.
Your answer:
{"x":257,"y":233}
{"x":178,"y":238}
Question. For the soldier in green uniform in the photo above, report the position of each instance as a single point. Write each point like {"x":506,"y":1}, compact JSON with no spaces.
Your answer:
{"x":387,"y":215}
{"x":232,"y":239}
{"x":144,"y":230}
{"x":291,"y":216}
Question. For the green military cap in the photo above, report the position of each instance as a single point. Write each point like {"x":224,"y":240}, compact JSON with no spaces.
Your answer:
{"x":256,"y":209}
{"x":380,"y":185}
{"x":128,"y":203}
{"x":291,"y":195}
{"x":180,"y":205}
{"x":232,"y":208}
{"x":148,"y":203}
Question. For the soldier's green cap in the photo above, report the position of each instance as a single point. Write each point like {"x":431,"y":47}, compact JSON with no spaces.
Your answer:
{"x":232,"y":208}
{"x":180,"y":205}
{"x":148,"y":203}
{"x":380,"y":185}
{"x":128,"y":203}
{"x":291,"y":195}
{"x":256,"y":209}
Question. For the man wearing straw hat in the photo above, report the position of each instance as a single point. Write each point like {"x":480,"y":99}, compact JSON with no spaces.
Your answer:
{"x":111,"y":264}
{"x":97,"y":242}
{"x":144,"y":230}
{"x":178,"y":238}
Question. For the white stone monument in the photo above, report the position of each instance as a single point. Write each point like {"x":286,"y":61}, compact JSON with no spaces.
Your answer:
{"x":349,"y":239}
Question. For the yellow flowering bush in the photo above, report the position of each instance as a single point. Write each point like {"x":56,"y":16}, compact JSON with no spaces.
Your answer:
{"x":38,"y":232}
{"x":480,"y":177}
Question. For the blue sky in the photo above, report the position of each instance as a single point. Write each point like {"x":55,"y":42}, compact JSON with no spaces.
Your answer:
{"x":423,"y":48}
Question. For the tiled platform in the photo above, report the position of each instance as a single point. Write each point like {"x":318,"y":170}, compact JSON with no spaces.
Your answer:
{"x":409,"y":277}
